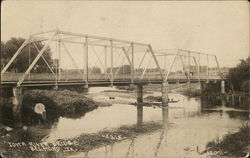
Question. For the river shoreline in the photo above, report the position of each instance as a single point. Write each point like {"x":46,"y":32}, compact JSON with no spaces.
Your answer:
{"x":82,"y":143}
{"x":232,"y":144}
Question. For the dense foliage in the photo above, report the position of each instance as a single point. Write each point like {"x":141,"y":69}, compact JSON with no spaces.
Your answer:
{"x":232,"y":144}
{"x":21,"y":63}
{"x":239,"y":76}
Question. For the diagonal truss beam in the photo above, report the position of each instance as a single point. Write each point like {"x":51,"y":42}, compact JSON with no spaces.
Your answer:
{"x":218,"y":66}
{"x":35,"y":60}
{"x":44,"y":60}
{"x":145,"y":69}
{"x":126,"y":54}
{"x":156,"y":62}
{"x":166,"y":77}
{"x":72,"y":59}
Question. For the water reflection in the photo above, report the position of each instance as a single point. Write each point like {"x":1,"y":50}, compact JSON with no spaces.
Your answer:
{"x":139,"y":114}
{"x":131,"y":151}
{"x":165,"y":116}
{"x":193,"y":124}
{"x":187,"y":126}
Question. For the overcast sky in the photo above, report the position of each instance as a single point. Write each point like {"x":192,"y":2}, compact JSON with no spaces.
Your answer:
{"x":220,"y":28}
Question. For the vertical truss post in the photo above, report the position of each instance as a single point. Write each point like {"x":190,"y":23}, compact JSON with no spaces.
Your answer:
{"x":105,"y":61}
{"x":196,"y":67}
{"x":183,"y":65}
{"x":29,"y":59}
{"x":218,"y":66}
{"x":188,"y":69}
{"x":132,"y":63}
{"x":199,"y":77}
{"x":112,"y":62}
{"x":86,"y":61}
{"x":56,"y":63}
{"x":59,"y":59}
{"x":83,"y":67}
{"x":207,"y":69}
{"x":176,"y":73}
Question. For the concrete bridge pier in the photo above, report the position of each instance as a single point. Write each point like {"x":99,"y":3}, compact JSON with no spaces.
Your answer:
{"x":17,"y":106}
{"x":139,"y":93}
{"x":164,"y":94}
{"x":139,"y":104}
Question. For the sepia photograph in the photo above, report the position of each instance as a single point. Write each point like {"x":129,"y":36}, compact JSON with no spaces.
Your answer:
{"x":125,"y":79}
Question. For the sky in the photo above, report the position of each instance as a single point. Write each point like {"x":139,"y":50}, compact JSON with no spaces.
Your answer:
{"x":218,"y":27}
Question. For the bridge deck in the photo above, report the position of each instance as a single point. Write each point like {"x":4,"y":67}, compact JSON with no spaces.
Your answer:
{"x":93,"y":83}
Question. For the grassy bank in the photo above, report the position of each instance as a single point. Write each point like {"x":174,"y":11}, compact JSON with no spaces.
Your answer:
{"x":233,"y":144}
{"x":82,"y":143}
{"x":87,"y":142}
{"x":59,"y":103}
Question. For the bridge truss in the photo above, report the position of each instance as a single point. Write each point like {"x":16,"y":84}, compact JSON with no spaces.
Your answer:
{"x":77,"y":57}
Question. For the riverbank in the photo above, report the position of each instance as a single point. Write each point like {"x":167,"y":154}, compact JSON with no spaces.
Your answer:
{"x":87,"y":142}
{"x":232,"y":144}
{"x":172,"y":88}
{"x":64,"y":103}
{"x":82,"y":143}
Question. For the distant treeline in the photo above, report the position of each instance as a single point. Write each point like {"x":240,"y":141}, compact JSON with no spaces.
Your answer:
{"x":239,"y":76}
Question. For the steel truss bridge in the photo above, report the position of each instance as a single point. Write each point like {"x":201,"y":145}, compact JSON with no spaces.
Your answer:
{"x":119,"y":62}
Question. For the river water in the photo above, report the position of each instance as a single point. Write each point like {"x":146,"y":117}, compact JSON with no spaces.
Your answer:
{"x":192,"y":123}
{"x":189,"y":125}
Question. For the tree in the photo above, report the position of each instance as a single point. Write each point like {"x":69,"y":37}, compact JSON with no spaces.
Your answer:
{"x":21,"y":63}
{"x":95,"y":70}
{"x":124,"y":69}
{"x":239,"y":74}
